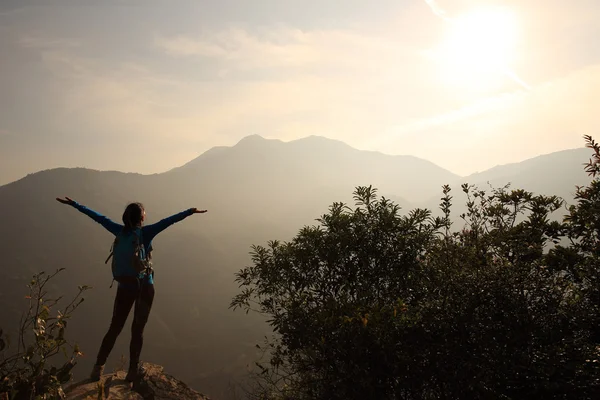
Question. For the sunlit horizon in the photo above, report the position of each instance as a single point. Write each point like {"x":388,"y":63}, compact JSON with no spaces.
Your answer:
{"x":465,"y":84}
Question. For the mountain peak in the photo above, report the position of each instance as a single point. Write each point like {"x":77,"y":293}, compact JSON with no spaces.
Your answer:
{"x":316,"y":139}
{"x":313,"y":140}
{"x":255,"y":138}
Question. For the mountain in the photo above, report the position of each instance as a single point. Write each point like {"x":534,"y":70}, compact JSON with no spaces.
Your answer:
{"x":551,"y":174}
{"x":314,"y":161}
{"x":555,"y":173}
{"x":296,"y":181}
{"x":257,"y":190}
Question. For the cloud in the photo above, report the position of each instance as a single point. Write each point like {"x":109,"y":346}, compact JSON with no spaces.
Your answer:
{"x":12,"y":12}
{"x":244,"y":51}
{"x":477,"y":109}
{"x":185,"y":46}
{"x":437,"y":10}
{"x":41,"y":42}
{"x":282,"y":47}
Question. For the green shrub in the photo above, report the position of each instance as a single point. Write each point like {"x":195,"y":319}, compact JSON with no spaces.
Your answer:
{"x":29,"y":371}
{"x":375,"y":304}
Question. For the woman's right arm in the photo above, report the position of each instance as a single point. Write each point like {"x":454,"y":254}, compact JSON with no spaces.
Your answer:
{"x":106,"y":222}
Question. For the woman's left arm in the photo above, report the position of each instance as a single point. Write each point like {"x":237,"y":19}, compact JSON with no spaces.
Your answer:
{"x":152,"y":230}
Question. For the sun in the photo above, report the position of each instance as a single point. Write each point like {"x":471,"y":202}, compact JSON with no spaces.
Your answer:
{"x":479,"y":48}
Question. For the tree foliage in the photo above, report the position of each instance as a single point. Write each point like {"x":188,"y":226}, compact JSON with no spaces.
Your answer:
{"x":371,"y":303}
{"x":28,"y":371}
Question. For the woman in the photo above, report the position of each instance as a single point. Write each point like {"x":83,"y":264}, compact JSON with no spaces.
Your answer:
{"x":141,"y":294}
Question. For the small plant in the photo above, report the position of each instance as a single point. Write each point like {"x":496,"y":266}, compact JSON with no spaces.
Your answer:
{"x":28,"y":372}
{"x":121,"y":365}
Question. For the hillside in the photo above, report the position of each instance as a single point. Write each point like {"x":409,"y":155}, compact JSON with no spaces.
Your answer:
{"x":551,"y":174}
{"x":554,"y":173}
{"x":256,"y":190}
{"x":256,"y":163}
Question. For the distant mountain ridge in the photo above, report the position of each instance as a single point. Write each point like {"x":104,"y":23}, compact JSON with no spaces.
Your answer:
{"x":319,"y":148}
{"x":559,"y":159}
{"x":323,"y":161}
{"x":556,"y":173}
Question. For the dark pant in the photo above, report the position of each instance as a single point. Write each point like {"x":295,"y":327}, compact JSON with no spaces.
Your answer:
{"x":126,"y":297}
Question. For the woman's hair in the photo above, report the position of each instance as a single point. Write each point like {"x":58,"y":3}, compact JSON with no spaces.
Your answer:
{"x":132,"y":216}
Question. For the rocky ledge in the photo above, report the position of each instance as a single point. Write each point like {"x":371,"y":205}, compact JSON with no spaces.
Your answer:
{"x":155,"y":384}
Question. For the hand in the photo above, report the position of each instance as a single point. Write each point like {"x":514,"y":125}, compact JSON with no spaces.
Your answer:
{"x":196,"y":211}
{"x":66,"y":200}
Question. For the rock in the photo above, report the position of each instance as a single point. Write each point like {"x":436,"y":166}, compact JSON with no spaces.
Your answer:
{"x":155,"y":384}
{"x":112,"y":386}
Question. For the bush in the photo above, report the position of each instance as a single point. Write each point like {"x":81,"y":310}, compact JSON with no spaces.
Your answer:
{"x":28,"y":372}
{"x":375,"y":304}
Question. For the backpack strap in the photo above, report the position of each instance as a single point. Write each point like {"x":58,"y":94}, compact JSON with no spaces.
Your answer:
{"x":112,"y":252}
{"x":147,"y":257}
{"x":112,"y":247}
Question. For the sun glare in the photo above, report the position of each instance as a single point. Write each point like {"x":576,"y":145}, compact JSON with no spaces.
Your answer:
{"x":478,"y":49}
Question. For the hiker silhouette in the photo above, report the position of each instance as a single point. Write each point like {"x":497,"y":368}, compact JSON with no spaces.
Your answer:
{"x":131,"y":253}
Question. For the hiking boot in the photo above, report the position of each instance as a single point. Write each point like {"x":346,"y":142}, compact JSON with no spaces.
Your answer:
{"x":134,"y":373}
{"x":97,"y":372}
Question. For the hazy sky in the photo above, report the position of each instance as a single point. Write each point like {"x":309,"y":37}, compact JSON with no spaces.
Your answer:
{"x":147,"y":85}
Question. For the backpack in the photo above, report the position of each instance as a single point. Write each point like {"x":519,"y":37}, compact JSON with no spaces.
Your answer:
{"x":128,"y":257}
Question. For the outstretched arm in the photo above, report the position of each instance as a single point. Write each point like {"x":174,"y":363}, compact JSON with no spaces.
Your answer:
{"x":152,"y":230}
{"x":107,"y":223}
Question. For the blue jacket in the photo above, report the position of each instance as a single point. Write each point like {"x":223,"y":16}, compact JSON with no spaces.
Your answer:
{"x":148,"y":231}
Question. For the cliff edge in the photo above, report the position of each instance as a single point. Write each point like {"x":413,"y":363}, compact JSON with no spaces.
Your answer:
{"x":154,"y":385}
